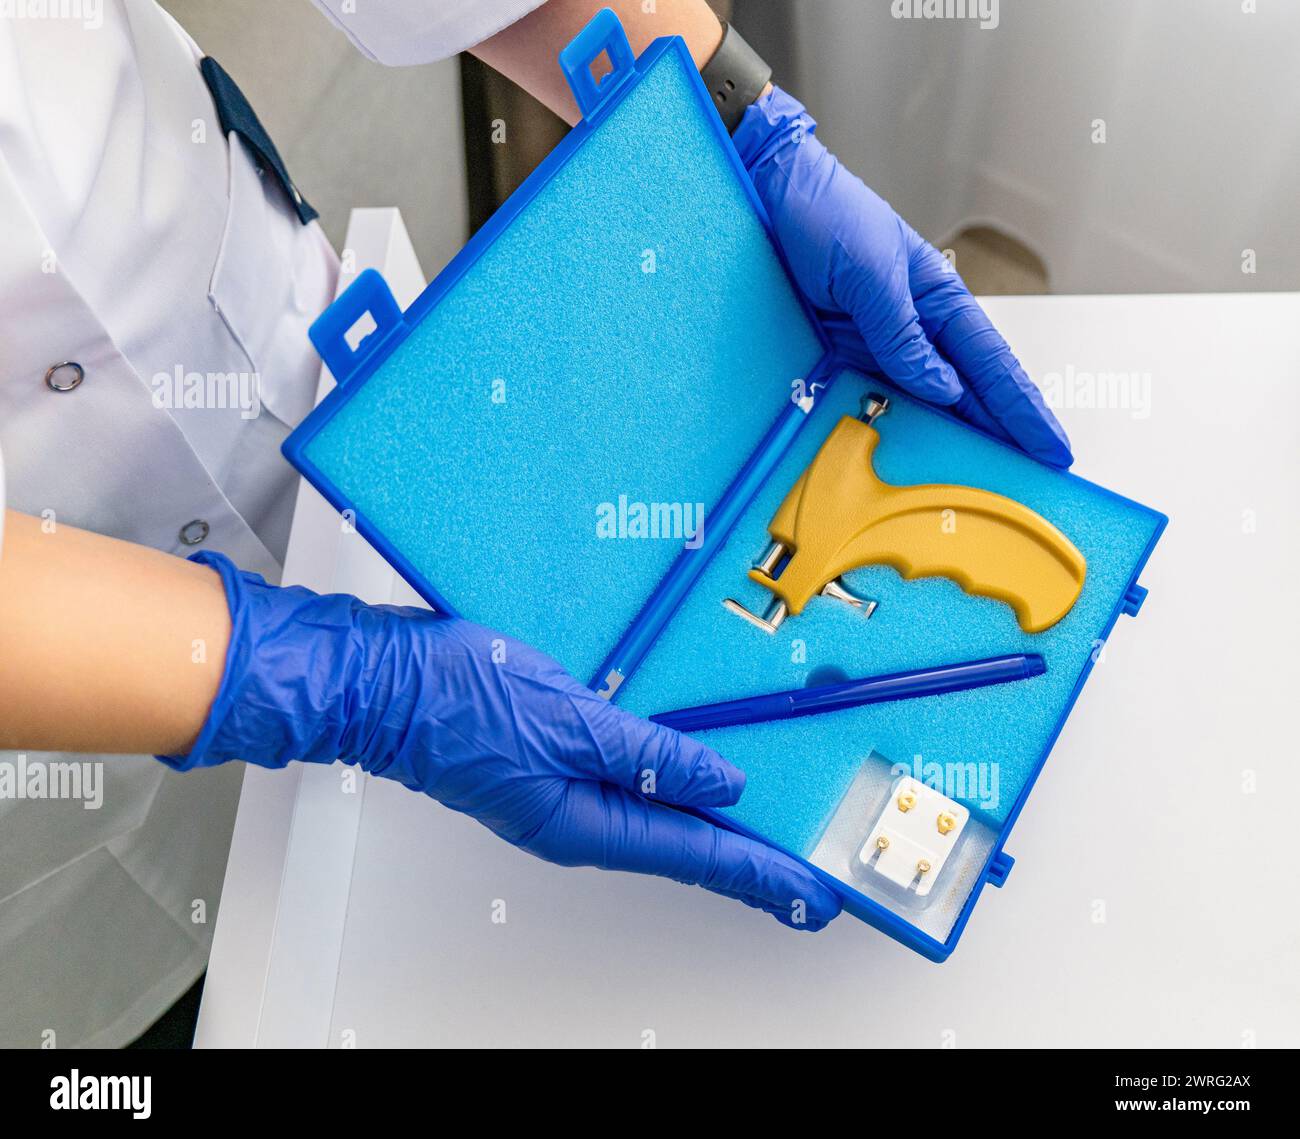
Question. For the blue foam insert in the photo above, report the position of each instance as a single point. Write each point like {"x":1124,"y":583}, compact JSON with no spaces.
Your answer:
{"x":617,"y":382}
{"x":658,"y":386}
{"x":798,"y":770}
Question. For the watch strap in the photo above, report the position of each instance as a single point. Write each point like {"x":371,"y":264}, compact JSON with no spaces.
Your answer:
{"x":735,"y":77}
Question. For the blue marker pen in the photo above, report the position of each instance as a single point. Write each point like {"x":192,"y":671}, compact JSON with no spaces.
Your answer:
{"x":854,"y":693}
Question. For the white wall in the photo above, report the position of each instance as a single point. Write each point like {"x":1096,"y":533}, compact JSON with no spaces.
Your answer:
{"x":958,"y":125}
{"x":953,"y":124}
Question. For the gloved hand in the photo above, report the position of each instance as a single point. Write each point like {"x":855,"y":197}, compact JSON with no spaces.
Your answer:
{"x":892,"y":304}
{"x":488,"y":727}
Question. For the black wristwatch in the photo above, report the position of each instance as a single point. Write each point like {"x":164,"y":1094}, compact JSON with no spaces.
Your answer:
{"x":735,"y":77}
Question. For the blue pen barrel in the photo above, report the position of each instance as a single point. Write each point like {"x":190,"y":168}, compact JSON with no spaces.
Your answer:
{"x":910,"y":685}
{"x":922,"y":682}
{"x":777,"y":706}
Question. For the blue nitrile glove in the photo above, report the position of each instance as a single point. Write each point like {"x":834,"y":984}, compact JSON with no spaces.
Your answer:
{"x":892,"y":304}
{"x":487,"y":726}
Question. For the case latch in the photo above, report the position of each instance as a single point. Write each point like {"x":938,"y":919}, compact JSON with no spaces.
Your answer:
{"x":999,"y":867}
{"x":1133,"y":599}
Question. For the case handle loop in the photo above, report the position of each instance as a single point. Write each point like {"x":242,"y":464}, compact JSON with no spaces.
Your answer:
{"x":604,"y":34}
{"x":369,"y":293}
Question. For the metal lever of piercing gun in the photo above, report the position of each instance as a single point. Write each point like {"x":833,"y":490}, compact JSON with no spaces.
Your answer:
{"x":840,"y":517}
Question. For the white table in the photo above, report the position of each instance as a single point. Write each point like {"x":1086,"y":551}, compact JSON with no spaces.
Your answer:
{"x":1153,"y":898}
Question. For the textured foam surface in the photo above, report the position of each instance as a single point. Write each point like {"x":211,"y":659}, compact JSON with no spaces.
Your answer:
{"x":616,"y":382}
{"x":798,"y":770}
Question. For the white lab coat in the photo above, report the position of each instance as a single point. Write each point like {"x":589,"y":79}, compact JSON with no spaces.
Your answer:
{"x":135,"y":241}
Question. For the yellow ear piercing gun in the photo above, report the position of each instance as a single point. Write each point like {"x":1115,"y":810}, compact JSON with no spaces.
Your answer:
{"x":840,"y":517}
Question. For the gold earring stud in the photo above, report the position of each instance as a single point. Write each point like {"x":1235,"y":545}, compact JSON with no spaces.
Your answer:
{"x":946,"y":822}
{"x":906,"y":801}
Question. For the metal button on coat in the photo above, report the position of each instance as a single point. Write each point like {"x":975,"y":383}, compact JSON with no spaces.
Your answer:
{"x":192,"y":533}
{"x":64,"y":377}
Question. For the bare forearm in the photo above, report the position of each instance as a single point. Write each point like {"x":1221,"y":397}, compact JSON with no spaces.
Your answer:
{"x":525,"y":52}
{"x":104,"y":646}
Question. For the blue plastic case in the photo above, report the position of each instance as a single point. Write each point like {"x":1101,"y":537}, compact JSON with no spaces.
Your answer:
{"x":635,"y":594}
